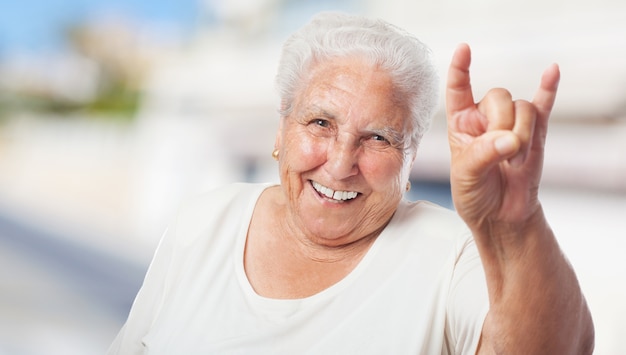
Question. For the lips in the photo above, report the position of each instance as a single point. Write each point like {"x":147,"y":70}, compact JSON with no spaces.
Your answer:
{"x":332,"y":194}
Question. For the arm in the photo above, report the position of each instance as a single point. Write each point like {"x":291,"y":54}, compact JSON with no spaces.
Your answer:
{"x":497,"y":145}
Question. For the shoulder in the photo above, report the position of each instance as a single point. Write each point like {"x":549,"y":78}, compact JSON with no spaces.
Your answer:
{"x":423,"y":225}
{"x":227,"y":205}
{"x":430,"y":218}
{"x":219,"y":199}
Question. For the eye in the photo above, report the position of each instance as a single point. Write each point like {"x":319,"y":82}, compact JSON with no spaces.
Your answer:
{"x":320,"y":127}
{"x":385,"y":137}
{"x":321,"y":122}
{"x":375,"y":141}
{"x":379,"y":138}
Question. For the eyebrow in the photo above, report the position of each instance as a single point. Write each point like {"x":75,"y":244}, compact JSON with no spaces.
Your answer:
{"x":315,"y":110}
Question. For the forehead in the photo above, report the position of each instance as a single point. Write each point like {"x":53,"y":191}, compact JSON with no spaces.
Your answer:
{"x":353,"y":74}
{"x":350,"y":84}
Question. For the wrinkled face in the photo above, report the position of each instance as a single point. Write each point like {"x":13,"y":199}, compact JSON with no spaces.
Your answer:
{"x":344,"y":157}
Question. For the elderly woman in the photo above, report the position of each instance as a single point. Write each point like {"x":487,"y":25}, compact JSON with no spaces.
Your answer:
{"x":333,"y":260}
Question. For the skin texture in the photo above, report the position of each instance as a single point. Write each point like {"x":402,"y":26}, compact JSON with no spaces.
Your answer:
{"x":346,"y":132}
{"x":497,"y":148}
{"x":331,"y":138}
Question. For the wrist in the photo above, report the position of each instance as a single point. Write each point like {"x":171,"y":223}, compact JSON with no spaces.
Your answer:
{"x":508,"y":240}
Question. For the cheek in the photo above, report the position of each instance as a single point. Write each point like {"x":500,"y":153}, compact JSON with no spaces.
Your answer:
{"x":385,"y":174}
{"x":304,"y":153}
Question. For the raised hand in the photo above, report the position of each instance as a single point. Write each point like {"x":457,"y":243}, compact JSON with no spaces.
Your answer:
{"x":496,"y":146}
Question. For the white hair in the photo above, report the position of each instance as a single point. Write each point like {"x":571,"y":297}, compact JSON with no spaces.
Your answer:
{"x":330,"y":35}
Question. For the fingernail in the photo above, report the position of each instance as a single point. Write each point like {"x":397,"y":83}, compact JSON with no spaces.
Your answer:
{"x":505,"y":145}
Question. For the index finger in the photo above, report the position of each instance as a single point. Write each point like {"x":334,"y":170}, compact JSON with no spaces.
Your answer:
{"x":458,"y":88}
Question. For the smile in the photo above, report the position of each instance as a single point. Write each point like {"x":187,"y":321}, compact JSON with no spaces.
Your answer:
{"x":332,"y":194}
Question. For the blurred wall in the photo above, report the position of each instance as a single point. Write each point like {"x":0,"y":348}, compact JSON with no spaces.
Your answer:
{"x":100,"y":142}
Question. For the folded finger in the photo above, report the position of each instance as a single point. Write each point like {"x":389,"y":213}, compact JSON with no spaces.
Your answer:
{"x":524,"y":129}
{"x":498,"y":108}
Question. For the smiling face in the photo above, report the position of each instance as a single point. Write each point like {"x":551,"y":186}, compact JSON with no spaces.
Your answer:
{"x":344,"y":156}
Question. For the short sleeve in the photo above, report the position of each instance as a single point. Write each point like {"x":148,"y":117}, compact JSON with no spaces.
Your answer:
{"x":468,"y":302}
{"x":147,"y":302}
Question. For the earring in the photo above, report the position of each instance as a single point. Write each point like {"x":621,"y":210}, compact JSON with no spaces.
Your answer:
{"x":275,"y":154}
{"x":408,"y":186}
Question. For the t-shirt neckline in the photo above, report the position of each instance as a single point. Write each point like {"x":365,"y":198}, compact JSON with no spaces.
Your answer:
{"x":289,"y":304}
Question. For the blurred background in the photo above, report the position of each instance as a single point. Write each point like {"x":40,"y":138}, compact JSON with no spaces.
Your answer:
{"x":112,"y":112}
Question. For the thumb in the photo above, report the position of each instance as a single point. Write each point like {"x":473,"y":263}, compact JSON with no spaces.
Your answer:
{"x":488,"y":150}
{"x":505,"y":144}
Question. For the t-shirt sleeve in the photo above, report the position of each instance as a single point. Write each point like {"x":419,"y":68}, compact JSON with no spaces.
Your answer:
{"x":148,"y":300}
{"x":468,"y":302}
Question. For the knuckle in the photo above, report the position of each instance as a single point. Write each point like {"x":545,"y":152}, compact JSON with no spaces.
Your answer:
{"x":499,"y":94}
{"x":526,"y":107}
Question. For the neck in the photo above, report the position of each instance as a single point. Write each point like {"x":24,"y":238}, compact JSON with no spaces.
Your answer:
{"x":324,"y":250}
{"x":282,"y":262}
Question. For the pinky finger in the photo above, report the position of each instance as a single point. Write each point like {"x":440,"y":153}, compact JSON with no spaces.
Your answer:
{"x":546,"y":94}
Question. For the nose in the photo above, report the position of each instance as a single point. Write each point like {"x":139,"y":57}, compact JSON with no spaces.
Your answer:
{"x":342,"y":159}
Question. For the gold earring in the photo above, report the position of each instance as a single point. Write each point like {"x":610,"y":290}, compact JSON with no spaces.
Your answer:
{"x":408,"y":186}
{"x":275,"y":154}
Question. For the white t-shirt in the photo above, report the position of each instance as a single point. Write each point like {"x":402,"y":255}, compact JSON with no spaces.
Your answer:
{"x":420,"y":289}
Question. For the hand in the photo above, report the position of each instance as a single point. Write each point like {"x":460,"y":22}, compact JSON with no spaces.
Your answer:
{"x":497,"y":147}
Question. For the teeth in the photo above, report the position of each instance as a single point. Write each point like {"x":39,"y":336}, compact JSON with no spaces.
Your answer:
{"x":336,"y":195}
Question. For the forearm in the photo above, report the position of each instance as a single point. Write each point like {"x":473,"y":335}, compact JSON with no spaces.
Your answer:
{"x":536,"y":305}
